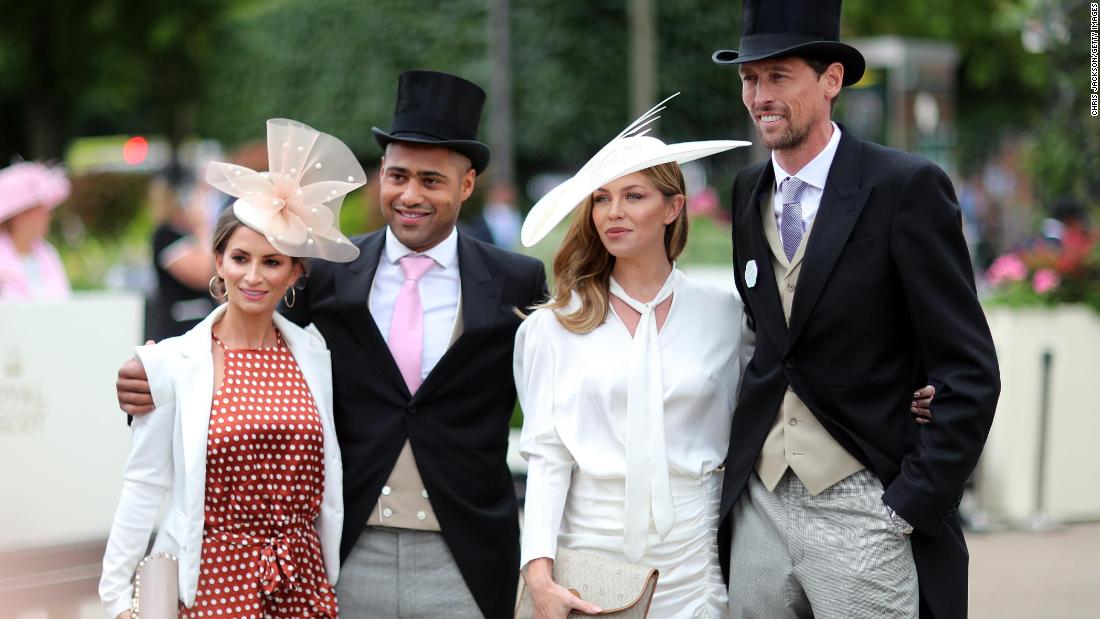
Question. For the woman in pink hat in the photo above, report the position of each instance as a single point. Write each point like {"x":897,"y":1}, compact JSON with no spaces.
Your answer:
{"x":30,"y":269}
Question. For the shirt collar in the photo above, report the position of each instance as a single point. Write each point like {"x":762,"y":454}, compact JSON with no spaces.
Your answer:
{"x":816,"y":171}
{"x":445,"y":253}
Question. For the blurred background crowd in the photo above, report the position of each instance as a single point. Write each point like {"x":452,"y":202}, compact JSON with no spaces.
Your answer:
{"x":130,"y":100}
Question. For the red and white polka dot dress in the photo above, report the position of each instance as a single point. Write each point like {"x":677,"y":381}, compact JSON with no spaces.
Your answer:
{"x":261,"y":555}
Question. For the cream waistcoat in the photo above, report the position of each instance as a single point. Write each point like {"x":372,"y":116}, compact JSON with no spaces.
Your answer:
{"x":797,"y":439}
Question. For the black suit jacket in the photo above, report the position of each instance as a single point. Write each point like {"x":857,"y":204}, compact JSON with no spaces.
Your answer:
{"x":457,"y":422}
{"x":885,"y":302}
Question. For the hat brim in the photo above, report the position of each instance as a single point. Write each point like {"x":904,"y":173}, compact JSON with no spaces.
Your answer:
{"x":8,"y":211}
{"x":478,"y":152}
{"x":28,"y":184}
{"x":606,"y":166}
{"x":850,"y":57}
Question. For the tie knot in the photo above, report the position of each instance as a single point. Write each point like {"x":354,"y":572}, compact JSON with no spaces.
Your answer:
{"x":415,"y":266}
{"x":791,"y":189}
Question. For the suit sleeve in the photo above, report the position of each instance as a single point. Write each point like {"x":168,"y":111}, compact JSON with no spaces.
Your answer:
{"x":738,"y":274}
{"x":541,"y":292}
{"x":955,"y":347}
{"x":146,"y":480}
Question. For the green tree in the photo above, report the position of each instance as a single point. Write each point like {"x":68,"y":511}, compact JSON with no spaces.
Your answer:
{"x":335,"y":65}
{"x":332,"y":64}
{"x":1000,"y":85}
{"x":76,"y":67}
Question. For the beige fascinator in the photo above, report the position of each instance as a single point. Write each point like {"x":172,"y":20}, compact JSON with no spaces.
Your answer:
{"x":296,"y":203}
{"x":631,"y":151}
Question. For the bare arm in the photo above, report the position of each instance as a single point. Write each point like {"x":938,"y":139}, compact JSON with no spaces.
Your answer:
{"x":192,"y":266}
{"x":132,"y":388}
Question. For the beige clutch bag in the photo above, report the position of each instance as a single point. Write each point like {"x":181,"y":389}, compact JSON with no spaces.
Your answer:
{"x":623,"y":590}
{"x":156,"y":588}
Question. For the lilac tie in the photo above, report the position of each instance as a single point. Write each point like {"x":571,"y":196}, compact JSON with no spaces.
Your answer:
{"x":407,"y":326}
{"x":791,"y":190}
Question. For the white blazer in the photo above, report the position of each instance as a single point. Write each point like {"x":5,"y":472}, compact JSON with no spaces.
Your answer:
{"x":168,"y":457}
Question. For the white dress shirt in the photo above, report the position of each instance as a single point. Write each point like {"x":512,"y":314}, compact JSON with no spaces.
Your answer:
{"x":440,"y":290}
{"x":814,"y":174}
{"x":573,"y":389}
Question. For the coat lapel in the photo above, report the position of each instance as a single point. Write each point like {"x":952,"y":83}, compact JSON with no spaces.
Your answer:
{"x":481,"y":294}
{"x":353,"y":285}
{"x":764,"y":296}
{"x":195,"y":402}
{"x":841,"y":204}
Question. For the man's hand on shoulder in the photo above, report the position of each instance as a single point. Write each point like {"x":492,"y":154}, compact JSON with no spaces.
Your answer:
{"x":132,"y":387}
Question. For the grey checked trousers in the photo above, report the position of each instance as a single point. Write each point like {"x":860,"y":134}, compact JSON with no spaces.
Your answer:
{"x":402,"y":573}
{"x":836,"y":554}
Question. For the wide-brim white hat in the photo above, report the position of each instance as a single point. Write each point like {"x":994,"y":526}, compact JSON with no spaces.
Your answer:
{"x":631,"y":151}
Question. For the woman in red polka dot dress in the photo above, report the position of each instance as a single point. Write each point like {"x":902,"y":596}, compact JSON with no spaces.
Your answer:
{"x":264,"y":479}
{"x":242,"y":440}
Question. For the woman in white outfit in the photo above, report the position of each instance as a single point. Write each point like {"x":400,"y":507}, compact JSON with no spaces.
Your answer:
{"x":628,"y":379}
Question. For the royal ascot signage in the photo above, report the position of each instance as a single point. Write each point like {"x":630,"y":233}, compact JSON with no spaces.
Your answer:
{"x":22,"y":403}
{"x":63,"y":441}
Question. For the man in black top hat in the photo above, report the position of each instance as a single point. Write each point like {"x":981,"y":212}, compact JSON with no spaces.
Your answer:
{"x":430,"y":514}
{"x":850,"y":259}
{"x":421,"y":329}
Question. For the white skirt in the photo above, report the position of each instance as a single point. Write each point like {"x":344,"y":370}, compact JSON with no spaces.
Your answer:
{"x":690,"y":583}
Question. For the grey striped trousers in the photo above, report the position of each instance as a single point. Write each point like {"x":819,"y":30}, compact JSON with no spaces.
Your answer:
{"x":836,"y":554}
{"x":402,"y":574}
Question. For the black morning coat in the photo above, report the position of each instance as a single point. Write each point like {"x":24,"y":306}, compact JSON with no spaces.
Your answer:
{"x":457,"y":422}
{"x":885,"y":303}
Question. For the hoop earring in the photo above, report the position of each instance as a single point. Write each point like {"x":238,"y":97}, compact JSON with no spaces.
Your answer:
{"x":210,"y":287}
{"x":293,"y":296}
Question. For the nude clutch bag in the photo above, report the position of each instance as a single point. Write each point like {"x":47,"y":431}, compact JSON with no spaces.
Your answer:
{"x":156,"y":588}
{"x":623,"y":590}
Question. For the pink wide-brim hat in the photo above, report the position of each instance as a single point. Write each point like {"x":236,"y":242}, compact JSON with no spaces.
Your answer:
{"x":28,"y":184}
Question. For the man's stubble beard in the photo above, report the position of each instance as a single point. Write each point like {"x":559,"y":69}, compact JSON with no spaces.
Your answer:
{"x":792,"y":138}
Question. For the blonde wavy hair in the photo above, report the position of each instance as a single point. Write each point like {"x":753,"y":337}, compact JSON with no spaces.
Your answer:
{"x":582,"y":264}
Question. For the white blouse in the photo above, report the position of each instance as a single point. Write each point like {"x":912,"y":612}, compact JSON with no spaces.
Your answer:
{"x":573,"y":390}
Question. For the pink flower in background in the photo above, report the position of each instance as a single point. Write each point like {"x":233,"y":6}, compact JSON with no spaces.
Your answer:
{"x":1045,"y":280}
{"x":1007,"y":268}
{"x":703,"y":203}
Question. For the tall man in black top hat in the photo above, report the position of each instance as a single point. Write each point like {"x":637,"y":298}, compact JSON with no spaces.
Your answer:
{"x":430,"y":515}
{"x":421,"y":329}
{"x":851,"y":262}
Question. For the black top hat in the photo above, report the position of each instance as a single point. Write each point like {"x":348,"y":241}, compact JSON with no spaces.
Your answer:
{"x":440,"y":109}
{"x":806,"y":28}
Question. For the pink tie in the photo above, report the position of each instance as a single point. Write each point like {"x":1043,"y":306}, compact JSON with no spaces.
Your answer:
{"x":407,"y":326}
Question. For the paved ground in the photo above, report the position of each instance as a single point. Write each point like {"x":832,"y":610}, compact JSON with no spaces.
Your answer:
{"x":1052,"y":575}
